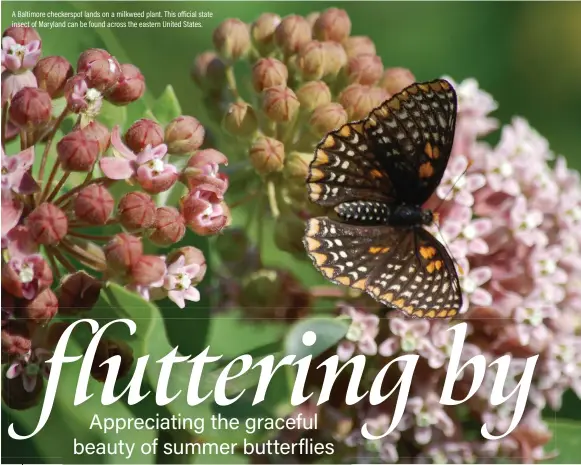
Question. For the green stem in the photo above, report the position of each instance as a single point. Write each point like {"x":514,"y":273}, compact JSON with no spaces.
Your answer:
{"x":48,"y":145}
{"x":231,"y":81}
{"x":271,"y":189}
{"x":58,"y":187}
{"x":64,"y":261}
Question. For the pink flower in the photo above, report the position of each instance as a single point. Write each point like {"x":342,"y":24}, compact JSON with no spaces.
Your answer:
{"x":408,"y":336}
{"x":525,"y":221}
{"x":147,"y":167}
{"x":26,"y":276}
{"x":179,"y":282}
{"x":204,"y":213}
{"x":13,"y":83}
{"x":202,"y":173}
{"x":361,"y":334}
{"x":81,"y":98}
{"x":12,"y":208}
{"x":459,"y":184}
{"x":16,"y":57}
{"x":471,"y":282}
{"x":429,"y":413}
{"x":16,"y":172}
{"x":29,"y":367}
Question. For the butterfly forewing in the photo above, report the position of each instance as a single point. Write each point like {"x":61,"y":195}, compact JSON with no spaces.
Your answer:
{"x":412,"y":134}
{"x":344,"y":169}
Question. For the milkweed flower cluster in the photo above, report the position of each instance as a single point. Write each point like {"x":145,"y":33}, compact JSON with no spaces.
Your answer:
{"x":510,"y":215}
{"x":82,"y":202}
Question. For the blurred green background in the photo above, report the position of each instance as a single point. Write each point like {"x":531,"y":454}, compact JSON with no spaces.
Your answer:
{"x":527,"y":55}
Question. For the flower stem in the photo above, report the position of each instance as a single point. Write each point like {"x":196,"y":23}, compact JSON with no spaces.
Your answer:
{"x":53,"y":264}
{"x":272,"y":198}
{"x":244,"y":200}
{"x":82,"y":255}
{"x":49,"y":181}
{"x":58,"y":187}
{"x":231,"y":81}
{"x":90,"y":237}
{"x":64,"y":261}
{"x":48,"y":145}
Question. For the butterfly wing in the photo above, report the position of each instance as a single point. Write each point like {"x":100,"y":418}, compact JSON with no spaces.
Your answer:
{"x":344,"y":169}
{"x":406,"y":269}
{"x":412,"y":135}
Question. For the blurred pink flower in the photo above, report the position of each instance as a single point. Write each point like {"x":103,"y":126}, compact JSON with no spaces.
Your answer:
{"x":16,"y":172}
{"x":360,"y":335}
{"x":179,"y":280}
{"x":16,"y":57}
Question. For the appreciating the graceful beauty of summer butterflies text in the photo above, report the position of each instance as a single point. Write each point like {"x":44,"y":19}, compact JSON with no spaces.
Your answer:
{"x":374,"y":175}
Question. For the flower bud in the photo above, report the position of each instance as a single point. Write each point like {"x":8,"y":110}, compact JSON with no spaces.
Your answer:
{"x":332,"y":24}
{"x":80,"y":98}
{"x":16,"y":397}
{"x":142,"y":133}
{"x":52,"y":74}
{"x":169,"y":227}
{"x":358,"y":100}
{"x":262,"y":32}
{"x":192,"y":256}
{"x":267,"y":155}
{"x":14,"y":83}
{"x":364,"y":69}
{"x":99,"y":132}
{"x":184,"y":135}
{"x":102,"y":71}
{"x":280,"y":103}
{"x":297,"y":165}
{"x":335,"y":58}
{"x":15,"y":340}
{"x":359,"y":45}
{"x":55,"y":332}
{"x":313,"y":94}
{"x":78,"y":151}
{"x":30,"y":107}
{"x":47,"y":224}
{"x":78,"y":292}
{"x":232,"y":39}
{"x":41,"y":309}
{"x":136,"y":211}
{"x":292,"y":33}
{"x":123,"y":251}
{"x":209,"y":71}
{"x":240,"y":120}
{"x":311,"y":60}
{"x":23,"y":35}
{"x":394,"y":80}
{"x":312,"y":17}
{"x":130,"y":86}
{"x":106,"y":349}
{"x":148,"y":269}
{"x":327,"y":118}
{"x":94,"y":204}
{"x":269,"y":72}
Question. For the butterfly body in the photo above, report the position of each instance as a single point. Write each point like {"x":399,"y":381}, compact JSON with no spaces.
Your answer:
{"x":376,"y":174}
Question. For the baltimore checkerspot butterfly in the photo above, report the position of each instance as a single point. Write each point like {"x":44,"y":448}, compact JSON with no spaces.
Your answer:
{"x":374,"y":175}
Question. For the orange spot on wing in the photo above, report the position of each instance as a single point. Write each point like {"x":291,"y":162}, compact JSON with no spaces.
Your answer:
{"x":329,"y":142}
{"x":316,"y":175}
{"x":424,"y":87}
{"x":436,"y":152}
{"x":394,"y":103}
{"x":387,"y":297}
{"x":439,"y":264}
{"x":399,"y":303}
{"x":358,"y":127}
{"x":328,"y":272}
{"x":345,"y":131}
{"x":430,"y":314}
{"x":361,"y":284}
{"x":376,"y":250}
{"x":442,"y":314}
{"x":313,"y":227}
{"x":344,"y":280}
{"x":426,"y":170}
{"x":427,"y":252}
{"x":320,"y":258}
{"x":431,"y":267}
{"x":376,"y":174}
{"x":428,"y":150}
{"x":452,"y":312}
{"x":313,"y":244}
{"x":321,"y":158}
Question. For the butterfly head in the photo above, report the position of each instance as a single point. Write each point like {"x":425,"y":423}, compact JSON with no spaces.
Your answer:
{"x":428,"y":217}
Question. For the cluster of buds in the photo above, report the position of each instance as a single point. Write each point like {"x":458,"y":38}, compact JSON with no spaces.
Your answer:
{"x":62,"y":241}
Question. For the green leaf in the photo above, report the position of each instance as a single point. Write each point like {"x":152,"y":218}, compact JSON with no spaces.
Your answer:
{"x":111,"y":115}
{"x":329,"y":332}
{"x":565,"y":441}
{"x":167,"y":106}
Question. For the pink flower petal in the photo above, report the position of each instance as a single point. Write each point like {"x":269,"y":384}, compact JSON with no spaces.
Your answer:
{"x":119,"y":146}
{"x":481,"y":298}
{"x":345,"y":350}
{"x":14,"y":370}
{"x":177,"y":297}
{"x":116,"y":168}
{"x":192,"y":294}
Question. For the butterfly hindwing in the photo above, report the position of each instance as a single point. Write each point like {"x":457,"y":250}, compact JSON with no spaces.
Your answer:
{"x":344,"y":169}
{"x":412,"y":134}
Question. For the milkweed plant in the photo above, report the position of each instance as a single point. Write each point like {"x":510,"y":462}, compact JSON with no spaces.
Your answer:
{"x":509,"y":213}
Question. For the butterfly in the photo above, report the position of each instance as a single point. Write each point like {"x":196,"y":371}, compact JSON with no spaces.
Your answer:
{"x":374,"y":175}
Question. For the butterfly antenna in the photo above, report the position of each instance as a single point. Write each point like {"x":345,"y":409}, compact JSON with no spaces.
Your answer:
{"x":454,"y":185}
{"x":437,"y":223}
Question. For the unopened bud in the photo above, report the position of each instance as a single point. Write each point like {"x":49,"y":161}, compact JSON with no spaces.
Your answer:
{"x":267,"y":155}
{"x":240,"y":120}
{"x":102,"y":71}
{"x":47,"y":224}
{"x":364,"y":69}
{"x":41,"y":309}
{"x":169,"y":227}
{"x":148,"y":269}
{"x":269,"y":72}
{"x":313,"y":94}
{"x":130,"y":86}
{"x":292,"y":33}
{"x":106,"y":349}
{"x":142,"y":133}
{"x":78,"y":292}
{"x":136,"y":211}
{"x":232,"y":39}
{"x":332,"y":24}
{"x":359,"y":45}
{"x":123,"y":251}
{"x":262,"y":32}
{"x":52,"y":74}
{"x":30,"y":107}
{"x":99,"y":132}
{"x":209,"y":71}
{"x":327,"y":118}
{"x":358,"y":100}
{"x":78,"y":151}
{"x":297,"y":165}
{"x":394,"y":80}
{"x":335,"y":58}
{"x":311,"y":60}
{"x":94,"y":204}
{"x":280,"y":103}
{"x":22,"y":35}
{"x":184,"y":135}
